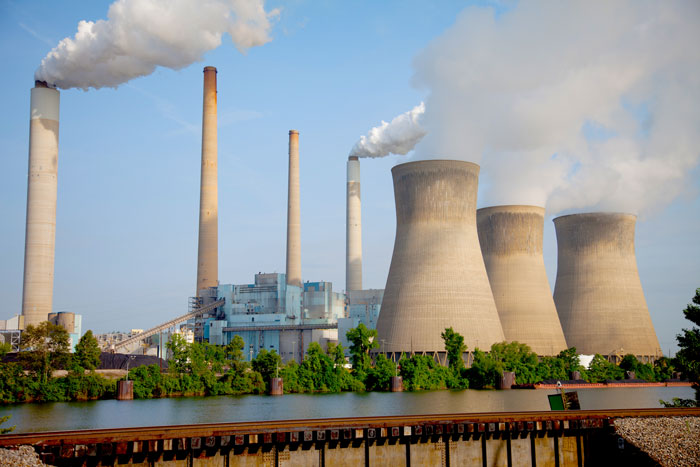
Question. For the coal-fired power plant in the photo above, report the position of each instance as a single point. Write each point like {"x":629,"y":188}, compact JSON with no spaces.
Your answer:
{"x":437,"y":277}
{"x":293,"y":214}
{"x":353,"y":225}
{"x":511,"y":243}
{"x":598,"y":293}
{"x":40,"y":239}
{"x":208,"y":250}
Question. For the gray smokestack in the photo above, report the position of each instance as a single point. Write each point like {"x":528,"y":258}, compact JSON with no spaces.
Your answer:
{"x":598,"y":293}
{"x":208,"y":251}
{"x":293,"y":215}
{"x":353,"y":249}
{"x":511,"y":242}
{"x":437,"y":277}
{"x":40,"y":239}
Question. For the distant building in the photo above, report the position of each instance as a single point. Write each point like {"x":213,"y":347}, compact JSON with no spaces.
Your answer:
{"x":363,"y":306}
{"x":71,"y":322}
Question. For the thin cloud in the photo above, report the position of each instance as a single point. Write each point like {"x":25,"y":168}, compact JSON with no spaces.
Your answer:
{"x":36,"y":35}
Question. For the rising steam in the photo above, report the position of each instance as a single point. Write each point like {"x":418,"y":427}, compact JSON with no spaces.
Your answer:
{"x":397,"y":137}
{"x":573,"y":105}
{"x":140,"y":35}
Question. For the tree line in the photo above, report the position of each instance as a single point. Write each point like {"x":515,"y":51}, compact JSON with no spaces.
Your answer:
{"x":205,"y":369}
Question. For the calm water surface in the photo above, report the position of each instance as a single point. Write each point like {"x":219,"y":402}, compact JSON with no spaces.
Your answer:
{"x":178,"y":411}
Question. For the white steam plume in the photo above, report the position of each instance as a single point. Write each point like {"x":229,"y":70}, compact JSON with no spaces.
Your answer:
{"x":397,"y":137}
{"x":140,"y":35}
{"x":573,"y":105}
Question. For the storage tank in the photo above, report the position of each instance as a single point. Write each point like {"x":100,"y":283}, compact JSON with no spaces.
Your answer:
{"x":511,"y":243}
{"x":598,"y":293}
{"x":437,"y":277}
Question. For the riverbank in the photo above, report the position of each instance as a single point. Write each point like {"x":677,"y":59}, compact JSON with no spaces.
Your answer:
{"x":611,"y":384}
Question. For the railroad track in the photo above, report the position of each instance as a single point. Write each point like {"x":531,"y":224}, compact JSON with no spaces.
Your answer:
{"x":111,"y":435}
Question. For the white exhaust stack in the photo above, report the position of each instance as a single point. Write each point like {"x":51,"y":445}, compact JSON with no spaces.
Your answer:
{"x":208,"y":251}
{"x":293,"y":216}
{"x":353,"y":249}
{"x":40,"y":239}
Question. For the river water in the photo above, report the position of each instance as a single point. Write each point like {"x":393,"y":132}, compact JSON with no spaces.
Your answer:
{"x":59,"y":416}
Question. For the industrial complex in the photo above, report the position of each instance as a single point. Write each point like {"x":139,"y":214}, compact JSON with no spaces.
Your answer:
{"x":480,"y":272}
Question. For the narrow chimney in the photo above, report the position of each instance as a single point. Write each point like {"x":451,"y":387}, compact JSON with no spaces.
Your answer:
{"x":353,"y":248}
{"x":208,"y":252}
{"x":40,"y":239}
{"x":293,"y":216}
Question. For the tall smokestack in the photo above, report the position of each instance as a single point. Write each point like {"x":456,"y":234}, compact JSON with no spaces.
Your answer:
{"x":208,"y":251}
{"x":437,"y":277}
{"x":40,"y":240}
{"x":598,"y":293}
{"x":293,"y":216}
{"x":511,"y":243}
{"x":353,"y":225}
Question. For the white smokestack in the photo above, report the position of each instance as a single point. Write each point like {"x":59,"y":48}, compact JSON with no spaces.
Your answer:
{"x":208,"y":250}
{"x":40,"y":240}
{"x":398,"y":137}
{"x":293,"y":214}
{"x":353,"y":225}
{"x":140,"y":35}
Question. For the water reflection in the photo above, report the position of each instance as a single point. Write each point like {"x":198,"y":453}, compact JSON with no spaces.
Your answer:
{"x":178,"y":411}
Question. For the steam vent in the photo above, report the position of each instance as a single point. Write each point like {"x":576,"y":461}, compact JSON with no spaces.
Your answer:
{"x":511,"y":243}
{"x":437,"y":277}
{"x":42,"y":186}
{"x":598,"y":293}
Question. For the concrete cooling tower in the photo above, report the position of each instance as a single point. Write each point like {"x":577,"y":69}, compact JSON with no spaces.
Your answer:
{"x":598,"y":293}
{"x":437,"y":277}
{"x":42,"y":186}
{"x":511,"y":243}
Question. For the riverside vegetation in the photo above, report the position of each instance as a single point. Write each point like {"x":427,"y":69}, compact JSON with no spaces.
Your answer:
{"x":204,"y":369}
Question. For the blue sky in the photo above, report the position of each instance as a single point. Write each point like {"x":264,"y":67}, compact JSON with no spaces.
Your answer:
{"x":129,"y":161}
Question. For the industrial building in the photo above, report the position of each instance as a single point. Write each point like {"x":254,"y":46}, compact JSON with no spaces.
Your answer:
{"x":437,"y":278}
{"x":71,"y":322}
{"x":511,"y":243}
{"x":598,"y":293}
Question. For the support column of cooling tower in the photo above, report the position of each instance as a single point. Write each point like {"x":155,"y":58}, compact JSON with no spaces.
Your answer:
{"x":598,"y":293}
{"x":40,"y":239}
{"x":437,"y":277}
{"x":293,"y":215}
{"x":208,"y":251}
{"x":511,"y":243}
{"x":353,"y":248}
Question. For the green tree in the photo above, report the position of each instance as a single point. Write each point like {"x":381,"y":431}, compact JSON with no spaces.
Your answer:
{"x":362,"y":341}
{"x":5,"y":348}
{"x":455,"y":348}
{"x":516,"y":357}
{"x":317,"y":371}
{"x":267,"y":364}
{"x":45,"y":348}
{"x":379,"y":376}
{"x":483,"y":371}
{"x":179,"y":353}
{"x":600,"y":370}
{"x":688,"y":357}
{"x":87,"y":352}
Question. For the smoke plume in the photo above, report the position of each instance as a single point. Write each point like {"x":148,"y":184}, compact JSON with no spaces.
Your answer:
{"x":140,"y":35}
{"x":397,"y":137}
{"x":573,"y":105}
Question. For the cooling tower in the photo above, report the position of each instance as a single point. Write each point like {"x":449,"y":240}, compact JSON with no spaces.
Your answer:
{"x":208,"y":250}
{"x":39,"y":244}
{"x":353,"y":225}
{"x":293,"y":217}
{"x":511,"y":243}
{"x":598,"y":293}
{"x":437,"y":277}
